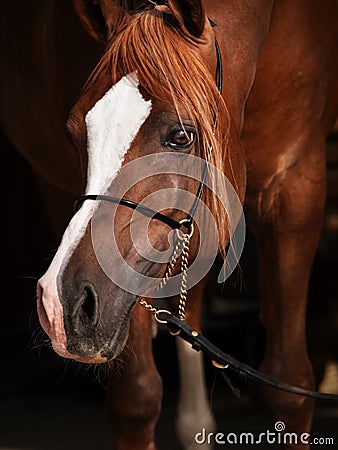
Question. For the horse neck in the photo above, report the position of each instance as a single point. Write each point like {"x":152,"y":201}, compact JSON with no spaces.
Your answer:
{"x":239,"y":59}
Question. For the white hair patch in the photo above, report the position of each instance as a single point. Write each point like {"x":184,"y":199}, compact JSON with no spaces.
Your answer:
{"x":112,"y":125}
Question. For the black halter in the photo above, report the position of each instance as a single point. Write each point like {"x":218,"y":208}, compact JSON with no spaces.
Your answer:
{"x":148,"y":211}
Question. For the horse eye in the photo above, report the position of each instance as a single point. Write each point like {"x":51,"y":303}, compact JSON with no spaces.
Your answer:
{"x":180,"y":139}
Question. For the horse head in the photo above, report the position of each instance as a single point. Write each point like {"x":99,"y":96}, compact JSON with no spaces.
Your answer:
{"x":150,"y":104}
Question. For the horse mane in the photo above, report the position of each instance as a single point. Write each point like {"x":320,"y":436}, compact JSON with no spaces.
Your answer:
{"x":170,"y":68}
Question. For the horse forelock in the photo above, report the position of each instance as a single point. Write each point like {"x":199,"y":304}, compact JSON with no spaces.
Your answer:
{"x":170,"y":68}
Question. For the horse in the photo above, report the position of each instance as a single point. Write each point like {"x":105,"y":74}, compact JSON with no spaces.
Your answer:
{"x":153,"y":93}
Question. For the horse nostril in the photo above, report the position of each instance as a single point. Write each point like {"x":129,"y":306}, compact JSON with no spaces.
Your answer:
{"x":88,"y":311}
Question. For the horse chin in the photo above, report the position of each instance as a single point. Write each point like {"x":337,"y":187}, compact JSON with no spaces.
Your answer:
{"x":96,"y":359}
{"x":80,"y":351}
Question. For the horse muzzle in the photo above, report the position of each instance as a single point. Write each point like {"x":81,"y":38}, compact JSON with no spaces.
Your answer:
{"x":77,"y":329}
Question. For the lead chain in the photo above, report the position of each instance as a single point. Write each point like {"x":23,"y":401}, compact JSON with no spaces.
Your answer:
{"x":182,"y":247}
{"x":184,"y":282}
{"x":172,"y":264}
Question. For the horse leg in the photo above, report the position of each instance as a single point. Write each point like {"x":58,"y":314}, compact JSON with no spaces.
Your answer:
{"x":288,"y":229}
{"x":135,"y":388}
{"x":194,"y":412}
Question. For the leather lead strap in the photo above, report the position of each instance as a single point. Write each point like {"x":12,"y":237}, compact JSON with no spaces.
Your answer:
{"x":224,"y":361}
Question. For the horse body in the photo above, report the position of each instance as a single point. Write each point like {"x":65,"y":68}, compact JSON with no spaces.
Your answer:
{"x":280,"y":88}
{"x":286,"y":163}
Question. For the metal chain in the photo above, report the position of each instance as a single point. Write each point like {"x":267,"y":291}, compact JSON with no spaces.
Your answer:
{"x":148,"y":306}
{"x":182,"y":249}
{"x":172,"y":264}
{"x":184,"y":283}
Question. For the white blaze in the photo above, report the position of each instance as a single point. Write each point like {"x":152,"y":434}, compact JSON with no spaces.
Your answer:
{"x":112,"y":125}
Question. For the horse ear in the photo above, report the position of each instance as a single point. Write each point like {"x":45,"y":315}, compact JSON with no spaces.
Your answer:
{"x":101,"y":18}
{"x":190,"y":14}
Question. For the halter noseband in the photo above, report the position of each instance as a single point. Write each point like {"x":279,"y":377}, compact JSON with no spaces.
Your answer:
{"x":148,"y":212}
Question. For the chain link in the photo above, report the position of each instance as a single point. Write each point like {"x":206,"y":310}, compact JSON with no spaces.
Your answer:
{"x":172,"y":264}
{"x":184,"y":283}
{"x":148,"y":306}
{"x":182,"y":249}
